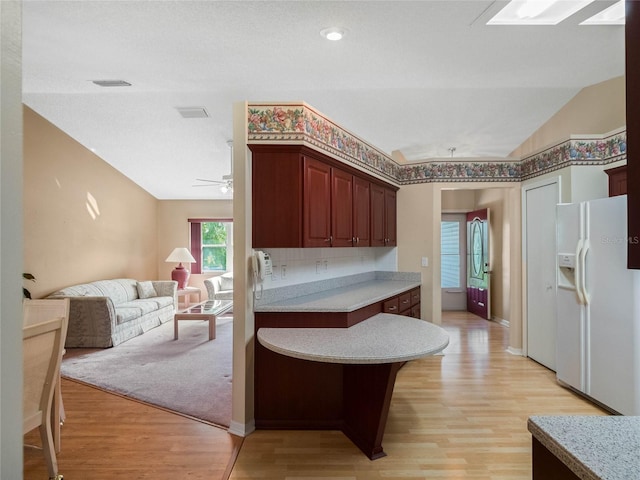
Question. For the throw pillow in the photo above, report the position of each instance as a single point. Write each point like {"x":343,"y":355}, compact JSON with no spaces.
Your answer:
{"x":146,"y":290}
{"x":226,"y":281}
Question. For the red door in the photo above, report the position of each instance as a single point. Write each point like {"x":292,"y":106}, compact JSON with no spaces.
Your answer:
{"x":478,"y":273}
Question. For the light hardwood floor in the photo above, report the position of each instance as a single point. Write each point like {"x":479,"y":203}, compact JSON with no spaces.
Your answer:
{"x":461,"y":415}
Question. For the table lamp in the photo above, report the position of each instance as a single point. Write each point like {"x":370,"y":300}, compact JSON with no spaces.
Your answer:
{"x":180,"y":274}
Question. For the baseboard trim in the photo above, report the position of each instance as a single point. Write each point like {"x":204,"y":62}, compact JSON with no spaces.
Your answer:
{"x":501,"y":321}
{"x":242,"y":429}
{"x":515,"y":351}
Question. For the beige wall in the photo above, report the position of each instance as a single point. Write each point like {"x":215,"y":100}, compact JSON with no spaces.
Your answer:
{"x":173,"y":230}
{"x":83,"y":220}
{"x":595,"y":110}
{"x":419,"y":214}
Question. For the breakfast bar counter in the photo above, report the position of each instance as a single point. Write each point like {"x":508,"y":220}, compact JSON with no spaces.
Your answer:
{"x":585,"y":447}
{"x":353,"y":393}
{"x":383,"y":338}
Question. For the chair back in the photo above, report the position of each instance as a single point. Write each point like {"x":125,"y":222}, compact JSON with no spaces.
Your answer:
{"x":43,"y":335}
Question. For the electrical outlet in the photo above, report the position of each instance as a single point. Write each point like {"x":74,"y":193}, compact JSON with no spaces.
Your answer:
{"x":425,"y":261}
{"x":283,"y":271}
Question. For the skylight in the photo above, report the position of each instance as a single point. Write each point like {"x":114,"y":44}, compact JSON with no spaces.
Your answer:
{"x":614,"y":15}
{"x":537,"y":12}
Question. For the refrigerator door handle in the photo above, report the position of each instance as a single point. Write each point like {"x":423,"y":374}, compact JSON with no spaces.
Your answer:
{"x":583,"y":272}
{"x":578,"y":277}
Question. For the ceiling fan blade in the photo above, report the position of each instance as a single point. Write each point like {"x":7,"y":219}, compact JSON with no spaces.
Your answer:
{"x":210,"y":181}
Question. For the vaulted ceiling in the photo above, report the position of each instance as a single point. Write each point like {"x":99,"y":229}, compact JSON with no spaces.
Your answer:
{"x":415,"y":77}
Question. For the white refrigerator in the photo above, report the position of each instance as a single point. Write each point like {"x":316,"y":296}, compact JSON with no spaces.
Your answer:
{"x":598,"y":304}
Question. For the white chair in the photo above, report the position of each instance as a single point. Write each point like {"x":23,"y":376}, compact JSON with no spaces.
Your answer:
{"x":221,"y":287}
{"x":44,"y":333}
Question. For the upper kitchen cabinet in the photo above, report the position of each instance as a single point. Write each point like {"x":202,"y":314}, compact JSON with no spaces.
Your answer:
{"x":301,"y":198}
{"x":361,"y":212}
{"x":383,"y":216}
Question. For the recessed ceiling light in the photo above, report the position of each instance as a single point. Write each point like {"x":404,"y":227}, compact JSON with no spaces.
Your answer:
{"x":112,"y":83}
{"x":614,"y":15}
{"x":333,"y":33}
{"x":537,"y":12}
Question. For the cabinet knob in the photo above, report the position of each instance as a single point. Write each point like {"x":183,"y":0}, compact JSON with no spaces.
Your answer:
{"x":392,"y":308}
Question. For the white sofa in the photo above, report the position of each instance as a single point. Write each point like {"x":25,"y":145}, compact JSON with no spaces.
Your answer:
{"x":106,"y":313}
{"x":221,"y":287}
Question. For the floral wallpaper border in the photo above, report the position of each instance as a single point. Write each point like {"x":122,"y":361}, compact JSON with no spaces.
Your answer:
{"x":300,"y":123}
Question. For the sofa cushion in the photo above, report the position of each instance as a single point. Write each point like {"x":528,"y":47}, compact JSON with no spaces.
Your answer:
{"x":226,"y":281}
{"x":126,"y":314}
{"x":146,"y":290}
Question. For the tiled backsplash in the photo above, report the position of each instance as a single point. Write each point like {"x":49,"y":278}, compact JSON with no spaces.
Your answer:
{"x":293,"y":266}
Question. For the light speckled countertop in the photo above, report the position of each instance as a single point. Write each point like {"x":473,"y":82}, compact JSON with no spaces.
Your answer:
{"x":344,"y":299}
{"x":383,"y":338}
{"x":592,"y":447}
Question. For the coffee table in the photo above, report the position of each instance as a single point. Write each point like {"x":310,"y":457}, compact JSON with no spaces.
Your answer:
{"x":208,"y":310}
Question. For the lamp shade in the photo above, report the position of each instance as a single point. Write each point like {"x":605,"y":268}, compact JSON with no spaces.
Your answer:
{"x":181,"y":255}
{"x":180,"y":274}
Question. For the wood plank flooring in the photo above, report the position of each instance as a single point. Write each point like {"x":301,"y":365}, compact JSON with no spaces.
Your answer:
{"x":461,"y":415}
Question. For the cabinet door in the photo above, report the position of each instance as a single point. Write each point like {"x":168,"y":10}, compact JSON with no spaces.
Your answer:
{"x":341,"y":208}
{"x":361,"y":212}
{"x":317,"y":204}
{"x":277,"y":199}
{"x":390,"y":217}
{"x":377,"y":216}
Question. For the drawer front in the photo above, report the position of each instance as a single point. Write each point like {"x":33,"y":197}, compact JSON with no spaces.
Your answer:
{"x":415,"y":296}
{"x":415,"y":311}
{"x":404,"y":301}
{"x":391,"y":306}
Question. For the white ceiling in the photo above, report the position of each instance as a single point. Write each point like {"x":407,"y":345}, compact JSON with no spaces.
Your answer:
{"x":418,"y":77}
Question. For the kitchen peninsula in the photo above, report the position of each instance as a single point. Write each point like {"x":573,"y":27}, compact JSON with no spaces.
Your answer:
{"x":572,"y":447}
{"x":327,"y":358}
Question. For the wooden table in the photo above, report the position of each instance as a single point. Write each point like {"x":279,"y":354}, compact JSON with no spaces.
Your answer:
{"x":354,"y":392}
{"x":208,"y":310}
{"x":186,"y":292}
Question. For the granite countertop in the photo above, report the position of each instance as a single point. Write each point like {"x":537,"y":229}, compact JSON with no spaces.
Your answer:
{"x":383,"y":338}
{"x":344,"y":299}
{"x":592,"y":447}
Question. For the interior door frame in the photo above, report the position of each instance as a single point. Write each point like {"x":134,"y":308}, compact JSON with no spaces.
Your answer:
{"x":556,"y":179}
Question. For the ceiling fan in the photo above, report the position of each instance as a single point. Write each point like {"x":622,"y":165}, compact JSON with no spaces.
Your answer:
{"x":226,"y":184}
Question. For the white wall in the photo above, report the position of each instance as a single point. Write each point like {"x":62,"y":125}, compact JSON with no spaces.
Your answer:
{"x":293,"y":266}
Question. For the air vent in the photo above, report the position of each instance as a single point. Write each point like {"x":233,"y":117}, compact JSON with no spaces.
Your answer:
{"x":192,"y":112}
{"x":112,"y":83}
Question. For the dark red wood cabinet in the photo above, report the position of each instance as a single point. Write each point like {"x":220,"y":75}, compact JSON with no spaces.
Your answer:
{"x":632,"y":77}
{"x":341,"y":208}
{"x":361,"y":212}
{"x":383,"y":216}
{"x":617,"y":180}
{"x":301,"y":198}
{"x":317,"y":204}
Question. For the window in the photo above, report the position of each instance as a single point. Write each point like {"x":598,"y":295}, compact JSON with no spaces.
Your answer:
{"x":450,"y":254}
{"x":211,"y":245}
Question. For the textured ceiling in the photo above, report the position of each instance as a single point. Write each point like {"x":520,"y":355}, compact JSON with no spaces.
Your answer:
{"x":416,"y":77}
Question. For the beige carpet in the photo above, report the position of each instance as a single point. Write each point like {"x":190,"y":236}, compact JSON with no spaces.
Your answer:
{"x":191,"y":375}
